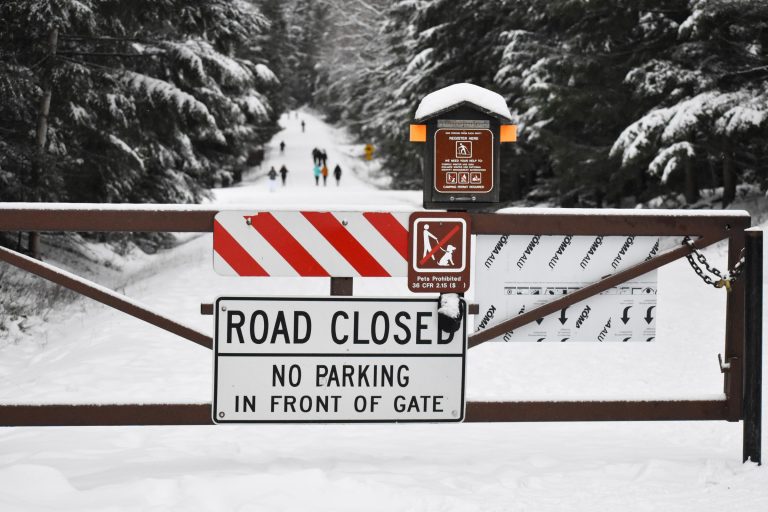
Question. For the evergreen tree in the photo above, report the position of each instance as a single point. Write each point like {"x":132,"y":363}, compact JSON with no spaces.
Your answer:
{"x":709,"y":120}
{"x":150,"y":101}
{"x":308,"y":25}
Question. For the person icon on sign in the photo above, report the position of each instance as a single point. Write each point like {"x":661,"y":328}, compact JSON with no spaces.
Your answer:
{"x":427,"y":243}
{"x":462,"y":150}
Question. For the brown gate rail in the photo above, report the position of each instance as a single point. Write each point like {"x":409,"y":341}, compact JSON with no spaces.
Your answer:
{"x":743,"y":337}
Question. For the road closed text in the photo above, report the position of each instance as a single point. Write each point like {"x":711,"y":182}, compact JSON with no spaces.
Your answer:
{"x":336,"y":360}
{"x":357,"y":328}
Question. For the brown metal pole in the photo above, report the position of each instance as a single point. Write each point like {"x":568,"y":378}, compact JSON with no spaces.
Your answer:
{"x":753,"y":349}
{"x":107,"y":218}
{"x":200,"y":414}
{"x":103,"y":295}
{"x":341,"y":286}
{"x":733,"y":384}
{"x":586,"y":292}
{"x":107,"y":414}
{"x":651,"y":410}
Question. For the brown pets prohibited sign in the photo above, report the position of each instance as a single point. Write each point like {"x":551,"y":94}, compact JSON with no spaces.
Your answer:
{"x":439,"y":252}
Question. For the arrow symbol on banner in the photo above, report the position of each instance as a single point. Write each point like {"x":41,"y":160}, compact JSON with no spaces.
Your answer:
{"x":648,"y":317}
{"x":562,"y":318}
{"x":562,"y":340}
{"x":624,"y":317}
{"x":540,"y":340}
{"x":627,"y":339}
{"x":650,"y":339}
{"x":539,"y":320}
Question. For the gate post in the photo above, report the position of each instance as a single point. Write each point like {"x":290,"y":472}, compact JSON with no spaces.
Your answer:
{"x":753,"y":351}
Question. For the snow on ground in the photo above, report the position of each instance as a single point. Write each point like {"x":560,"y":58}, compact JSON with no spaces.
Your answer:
{"x":87,"y":353}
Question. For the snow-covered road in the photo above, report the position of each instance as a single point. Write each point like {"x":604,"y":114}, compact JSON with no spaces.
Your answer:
{"x":90,"y":354}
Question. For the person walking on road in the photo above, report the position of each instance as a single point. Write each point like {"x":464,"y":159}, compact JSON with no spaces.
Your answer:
{"x":337,"y":174}
{"x":283,"y":173}
{"x":324,"y":158}
{"x":316,"y":171}
{"x":282,"y":146}
{"x":302,"y":126}
{"x":324,"y":172}
{"x":316,"y":156}
{"x":272,"y":179}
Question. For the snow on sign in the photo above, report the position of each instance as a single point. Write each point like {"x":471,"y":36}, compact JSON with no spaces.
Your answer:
{"x":310,"y":244}
{"x":335,"y":360}
{"x":439,"y":249}
{"x":516,"y":273}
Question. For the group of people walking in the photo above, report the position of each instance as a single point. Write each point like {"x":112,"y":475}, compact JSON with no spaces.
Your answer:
{"x":320,"y":169}
{"x":320,"y":160}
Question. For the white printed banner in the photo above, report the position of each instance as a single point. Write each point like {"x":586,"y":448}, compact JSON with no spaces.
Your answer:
{"x":516,"y":273}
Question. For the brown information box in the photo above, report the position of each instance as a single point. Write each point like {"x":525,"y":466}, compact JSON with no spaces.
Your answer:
{"x":463,"y":160}
{"x":439,"y":252}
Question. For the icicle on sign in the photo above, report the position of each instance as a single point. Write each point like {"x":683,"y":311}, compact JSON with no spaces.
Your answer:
{"x":516,"y":273}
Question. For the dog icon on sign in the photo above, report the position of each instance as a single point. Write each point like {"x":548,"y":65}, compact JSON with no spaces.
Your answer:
{"x":446,"y":260}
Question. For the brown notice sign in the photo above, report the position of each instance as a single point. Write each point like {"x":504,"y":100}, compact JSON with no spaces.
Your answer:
{"x":439,"y":256}
{"x":463,"y":160}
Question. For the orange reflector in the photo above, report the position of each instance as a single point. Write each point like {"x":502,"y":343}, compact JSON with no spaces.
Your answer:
{"x":508,"y":133}
{"x":418,"y":133}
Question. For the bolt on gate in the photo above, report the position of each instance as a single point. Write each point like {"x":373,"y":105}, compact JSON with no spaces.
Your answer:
{"x":695,"y":229}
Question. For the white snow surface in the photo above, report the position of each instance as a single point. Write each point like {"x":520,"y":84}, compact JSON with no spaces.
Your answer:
{"x":87,"y":353}
{"x":454,"y":94}
{"x":450,"y":305}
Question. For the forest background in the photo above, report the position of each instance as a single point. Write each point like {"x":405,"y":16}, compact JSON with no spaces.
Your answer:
{"x":619,"y":102}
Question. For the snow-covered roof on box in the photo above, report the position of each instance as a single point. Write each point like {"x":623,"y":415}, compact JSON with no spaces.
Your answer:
{"x":456,"y":94}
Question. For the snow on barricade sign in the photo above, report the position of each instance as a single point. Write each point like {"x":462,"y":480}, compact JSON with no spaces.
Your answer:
{"x":310,"y":244}
{"x":336,"y":360}
{"x":516,"y":273}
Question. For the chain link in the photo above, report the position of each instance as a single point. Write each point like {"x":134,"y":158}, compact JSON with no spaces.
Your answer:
{"x":723,"y":281}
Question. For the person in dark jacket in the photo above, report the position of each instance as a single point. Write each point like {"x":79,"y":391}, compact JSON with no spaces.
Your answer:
{"x":272,"y":174}
{"x":316,"y":156}
{"x":323,"y":158}
{"x":337,"y":174}
{"x":283,"y":173}
{"x":282,"y":146}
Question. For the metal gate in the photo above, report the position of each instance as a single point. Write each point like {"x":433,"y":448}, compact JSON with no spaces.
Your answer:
{"x":743,"y":330}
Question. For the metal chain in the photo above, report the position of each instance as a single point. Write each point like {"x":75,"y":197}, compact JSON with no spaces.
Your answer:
{"x":723,"y":281}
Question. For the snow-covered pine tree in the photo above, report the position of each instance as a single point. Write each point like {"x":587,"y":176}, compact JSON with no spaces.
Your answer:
{"x":152,"y":101}
{"x":563,"y":70}
{"x":709,"y":113}
{"x":307,"y":22}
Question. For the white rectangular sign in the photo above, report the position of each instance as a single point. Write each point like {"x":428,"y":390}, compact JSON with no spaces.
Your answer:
{"x":335,"y":359}
{"x":516,"y":273}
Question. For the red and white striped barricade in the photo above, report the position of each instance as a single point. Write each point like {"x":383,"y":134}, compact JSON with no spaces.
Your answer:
{"x":311,"y":244}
